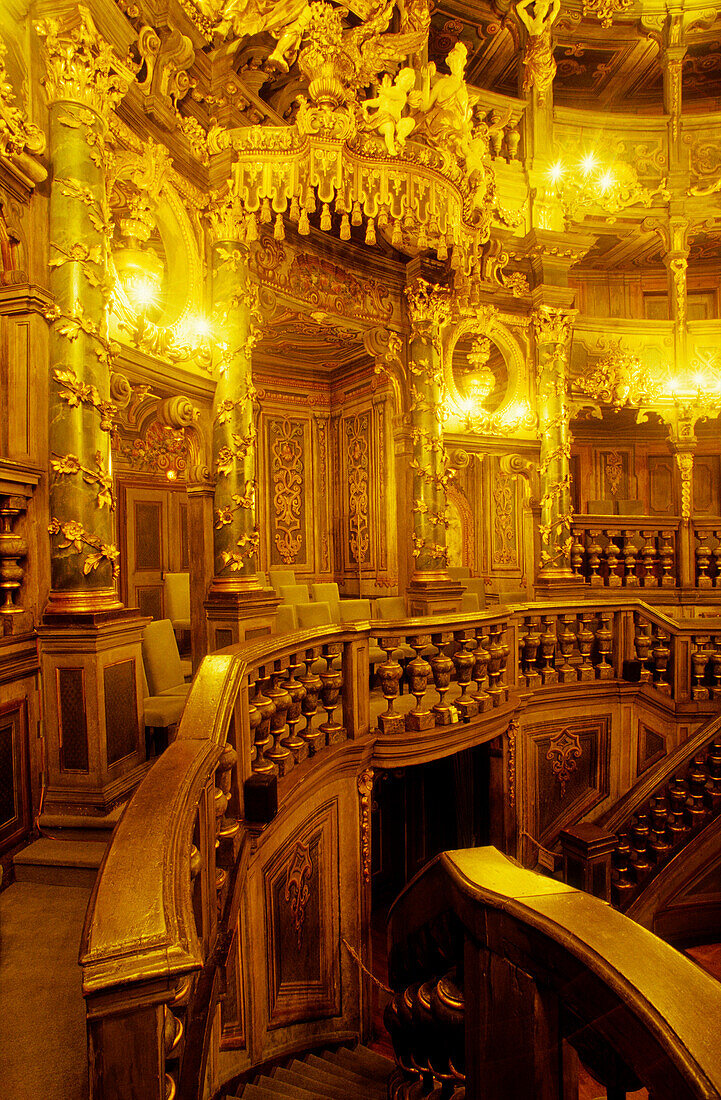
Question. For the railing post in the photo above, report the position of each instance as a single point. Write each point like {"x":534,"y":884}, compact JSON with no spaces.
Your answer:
{"x":686,"y":554}
{"x":587,"y":851}
{"x":356,"y":688}
{"x":125,"y":1048}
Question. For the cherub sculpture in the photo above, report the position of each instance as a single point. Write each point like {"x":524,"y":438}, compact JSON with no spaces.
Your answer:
{"x":388,"y":108}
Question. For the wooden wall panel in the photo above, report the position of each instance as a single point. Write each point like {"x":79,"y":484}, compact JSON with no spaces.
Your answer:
{"x":288,"y":488}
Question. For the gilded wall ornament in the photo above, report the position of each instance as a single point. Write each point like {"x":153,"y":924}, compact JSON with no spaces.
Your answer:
{"x":358,"y":478}
{"x":619,"y":379}
{"x":503,"y":494}
{"x":287,"y":472}
{"x":75,"y":536}
{"x":17,"y":135}
{"x":614,"y":472}
{"x":564,"y":752}
{"x":605,"y":10}
{"x":511,"y":735}
{"x":365,"y":791}
{"x":297,"y":891}
{"x":81,"y":66}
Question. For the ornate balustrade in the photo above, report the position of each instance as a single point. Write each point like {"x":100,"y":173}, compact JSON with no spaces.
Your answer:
{"x":616,"y":552}
{"x":499,"y":972}
{"x":708,"y":554}
{"x":165,"y":907}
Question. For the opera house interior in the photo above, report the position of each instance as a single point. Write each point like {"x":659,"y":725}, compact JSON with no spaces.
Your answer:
{"x":360,"y":549}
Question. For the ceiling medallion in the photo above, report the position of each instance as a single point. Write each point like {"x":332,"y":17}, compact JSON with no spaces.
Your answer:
{"x":606,"y":9}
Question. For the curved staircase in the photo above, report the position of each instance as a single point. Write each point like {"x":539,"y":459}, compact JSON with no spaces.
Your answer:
{"x":343,"y":1074}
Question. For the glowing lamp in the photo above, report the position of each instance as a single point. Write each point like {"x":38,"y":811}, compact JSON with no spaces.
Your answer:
{"x":140,"y":271}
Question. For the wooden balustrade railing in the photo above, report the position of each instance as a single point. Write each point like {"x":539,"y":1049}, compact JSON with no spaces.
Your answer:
{"x":708,"y":554}
{"x":162,"y":913}
{"x":619,"y":552}
{"x":500,"y":972}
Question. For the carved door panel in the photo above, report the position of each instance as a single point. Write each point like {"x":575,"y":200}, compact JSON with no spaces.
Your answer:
{"x":147,"y":548}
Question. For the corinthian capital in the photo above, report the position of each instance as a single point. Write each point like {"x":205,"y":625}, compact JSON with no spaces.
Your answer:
{"x":81,"y":67}
{"x":429,"y":307}
{"x":552,"y":325}
{"x":224,"y":217}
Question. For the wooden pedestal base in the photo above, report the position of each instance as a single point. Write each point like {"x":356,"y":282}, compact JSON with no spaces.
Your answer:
{"x":238,"y":616}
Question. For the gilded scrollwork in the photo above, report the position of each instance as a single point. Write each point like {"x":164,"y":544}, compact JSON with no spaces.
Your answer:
{"x":287,"y":472}
{"x":297,"y":891}
{"x":365,"y":792}
{"x":358,"y":485}
{"x":17,"y":135}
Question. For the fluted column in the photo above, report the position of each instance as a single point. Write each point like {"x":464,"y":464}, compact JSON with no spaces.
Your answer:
{"x":84,"y":81}
{"x":236,"y":593}
{"x":431,"y":588}
{"x":552,"y":329}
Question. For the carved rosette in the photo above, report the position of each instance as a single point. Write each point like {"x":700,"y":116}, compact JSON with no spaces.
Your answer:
{"x":552,"y":328}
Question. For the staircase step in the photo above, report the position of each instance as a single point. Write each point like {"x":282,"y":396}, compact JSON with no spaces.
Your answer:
{"x":92,"y":827}
{"x":257,"y":1092}
{"x":364,"y":1061}
{"x":309,"y":1081}
{"x":292,"y":1086}
{"x":59,"y":862}
{"x":341,"y":1073}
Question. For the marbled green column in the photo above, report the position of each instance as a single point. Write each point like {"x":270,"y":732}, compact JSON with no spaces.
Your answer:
{"x":552,"y":331}
{"x":84,"y":80}
{"x":429,"y":309}
{"x":234,"y":433}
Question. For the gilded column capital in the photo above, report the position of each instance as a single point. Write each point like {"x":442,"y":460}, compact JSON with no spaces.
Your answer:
{"x":225,"y":221}
{"x":552,"y":325}
{"x":81,"y":67}
{"x":429,"y":307}
{"x":17,"y":135}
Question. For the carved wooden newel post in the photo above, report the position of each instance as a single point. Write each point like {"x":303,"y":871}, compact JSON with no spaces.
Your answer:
{"x":431,"y":588}
{"x":237,"y":607}
{"x":90,"y":643}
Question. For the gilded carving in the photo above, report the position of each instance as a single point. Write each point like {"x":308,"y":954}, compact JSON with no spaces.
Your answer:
{"x":161,"y":450}
{"x":684,"y":461}
{"x":365,"y":791}
{"x":297,"y":891}
{"x":358,"y":479}
{"x":614,"y":472}
{"x":17,"y":135}
{"x":81,"y":66}
{"x":511,"y":734}
{"x":564,"y":752}
{"x":619,"y":379}
{"x":69,"y":465}
{"x":287,"y":477}
{"x":75,"y":536}
{"x":605,"y":10}
{"x":503,"y":487}
{"x":538,"y":62}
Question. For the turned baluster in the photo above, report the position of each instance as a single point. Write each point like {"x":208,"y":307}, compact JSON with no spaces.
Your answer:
{"x":389,"y":674}
{"x":604,"y":638}
{"x":480,"y":672}
{"x":716,"y":668}
{"x":505,"y":652}
{"x":566,"y":638}
{"x":577,"y":550}
{"x":716,"y":554}
{"x":417,"y":671}
{"x":253,"y":722}
{"x":613,"y":551}
{"x":263,"y":739}
{"x":196,"y":862}
{"x":668,"y":580}
{"x":548,"y":650}
{"x":594,"y":558}
{"x":495,"y":649}
{"x":278,"y":753}
{"x":699,"y":659}
{"x":220,"y":805}
{"x":585,"y":641}
{"x":227,"y":826}
{"x":442,"y":667}
{"x":658,"y":838}
{"x":677,"y":794}
{"x":703,"y":559}
{"x":531,"y":643}
{"x":332,"y":682}
{"x":696,"y":805}
{"x":661,"y":653}
{"x":642,"y":642}
{"x":640,"y":859}
{"x":648,"y":557}
{"x":622,"y":882}
{"x":463,"y":661}
{"x":630,"y":559}
{"x":294,"y":742}
{"x":309,"y":703}
{"x":172,"y":1033}
{"x":713,"y":766}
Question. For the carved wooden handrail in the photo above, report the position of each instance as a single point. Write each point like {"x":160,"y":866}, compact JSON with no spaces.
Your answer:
{"x":543,"y":963}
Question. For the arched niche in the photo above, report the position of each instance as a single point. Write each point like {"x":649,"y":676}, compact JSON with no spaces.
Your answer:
{"x":464,"y":349}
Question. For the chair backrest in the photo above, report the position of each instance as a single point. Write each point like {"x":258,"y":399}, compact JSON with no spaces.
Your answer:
{"x":313,"y":614}
{"x":294,"y":593}
{"x":286,"y":618}
{"x":278,"y":577}
{"x":160,"y":657}
{"x":146,"y":689}
{"x":177,"y":596}
{"x":328,"y":593}
{"x":477,"y":585}
{"x":391,"y":607}
{"x":470,"y":602}
{"x":262,"y":578}
{"x":355,"y":611}
{"x":459,"y":572}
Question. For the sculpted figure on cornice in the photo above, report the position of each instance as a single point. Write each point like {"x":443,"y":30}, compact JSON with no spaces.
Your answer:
{"x":539,"y":65}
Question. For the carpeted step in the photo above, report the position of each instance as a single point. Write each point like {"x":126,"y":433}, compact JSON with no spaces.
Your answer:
{"x":340,"y":1073}
{"x":59,"y":862}
{"x":257,"y":1092}
{"x":362,"y":1060}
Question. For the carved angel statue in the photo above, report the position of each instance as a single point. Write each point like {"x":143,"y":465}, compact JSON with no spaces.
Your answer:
{"x":388,"y":107}
{"x":287,"y":20}
{"x":444,"y":106}
{"x":540,"y":67}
